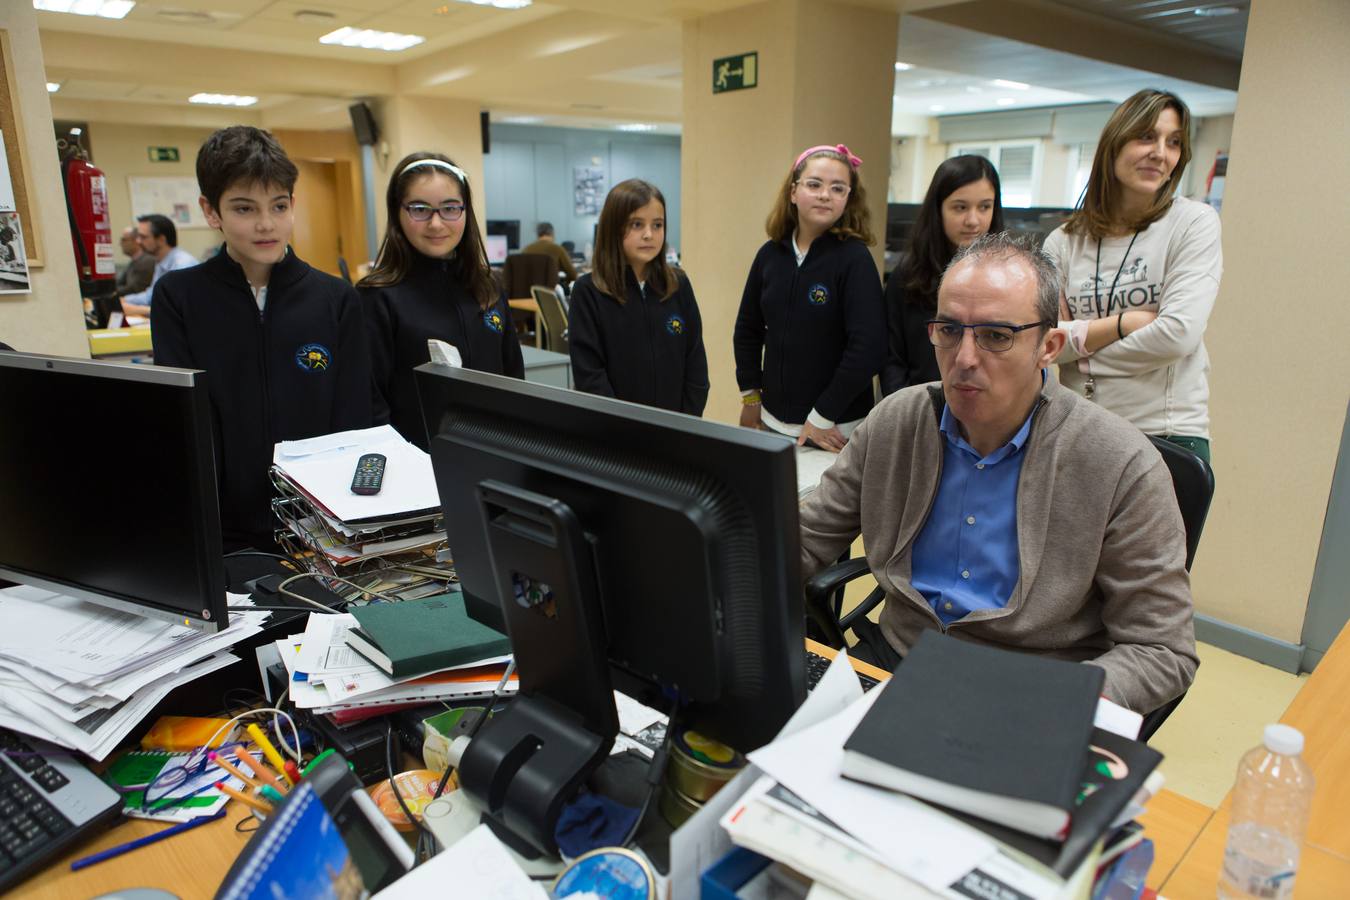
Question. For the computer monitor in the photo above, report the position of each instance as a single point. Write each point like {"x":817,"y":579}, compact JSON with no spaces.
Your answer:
{"x":507,"y":228}
{"x":110,"y":486}
{"x":497,"y":247}
{"x":619,"y":545}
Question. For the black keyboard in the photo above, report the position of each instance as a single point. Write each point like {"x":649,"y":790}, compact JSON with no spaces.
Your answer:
{"x":815,"y":670}
{"x":48,"y":803}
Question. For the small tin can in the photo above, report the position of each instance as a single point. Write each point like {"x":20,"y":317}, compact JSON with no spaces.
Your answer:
{"x":700,"y":766}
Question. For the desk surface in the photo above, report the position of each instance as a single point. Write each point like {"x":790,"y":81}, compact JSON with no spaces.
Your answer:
{"x":191,"y":865}
{"x":107,"y":341}
{"x":1320,"y":712}
{"x":1188,"y":836}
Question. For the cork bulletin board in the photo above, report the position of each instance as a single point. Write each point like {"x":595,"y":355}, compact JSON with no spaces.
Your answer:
{"x":14,"y":151}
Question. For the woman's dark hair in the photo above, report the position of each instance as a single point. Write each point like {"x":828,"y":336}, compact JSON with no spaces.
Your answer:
{"x":929,"y":249}
{"x":469,"y":262}
{"x":608,"y":263}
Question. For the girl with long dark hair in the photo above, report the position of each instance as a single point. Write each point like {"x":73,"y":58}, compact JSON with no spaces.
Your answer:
{"x":431,"y":280}
{"x":964,"y":201}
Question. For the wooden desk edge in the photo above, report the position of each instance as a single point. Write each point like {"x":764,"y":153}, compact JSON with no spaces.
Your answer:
{"x":858,"y":666}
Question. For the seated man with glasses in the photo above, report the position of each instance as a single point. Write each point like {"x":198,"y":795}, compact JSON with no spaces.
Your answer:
{"x":1005,"y":509}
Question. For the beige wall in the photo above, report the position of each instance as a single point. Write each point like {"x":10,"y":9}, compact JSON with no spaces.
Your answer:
{"x":737,"y":147}
{"x":1281,"y":375}
{"x":51,"y":318}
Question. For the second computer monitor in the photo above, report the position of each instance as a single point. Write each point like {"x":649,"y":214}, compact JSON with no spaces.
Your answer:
{"x":689,"y":533}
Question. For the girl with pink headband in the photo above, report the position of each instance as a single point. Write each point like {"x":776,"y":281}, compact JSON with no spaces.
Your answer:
{"x":811,"y":330}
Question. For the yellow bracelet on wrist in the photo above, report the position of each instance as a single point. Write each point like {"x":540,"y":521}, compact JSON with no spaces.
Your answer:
{"x":751,"y":399}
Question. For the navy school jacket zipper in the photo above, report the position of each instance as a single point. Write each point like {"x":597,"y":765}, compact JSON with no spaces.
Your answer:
{"x":262,"y":364}
{"x":647,"y":310}
{"x":787,"y":316}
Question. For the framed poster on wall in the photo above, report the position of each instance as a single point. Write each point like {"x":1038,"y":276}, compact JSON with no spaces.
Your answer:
{"x":14,"y":176}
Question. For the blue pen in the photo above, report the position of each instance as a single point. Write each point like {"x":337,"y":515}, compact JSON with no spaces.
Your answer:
{"x":99,"y":857}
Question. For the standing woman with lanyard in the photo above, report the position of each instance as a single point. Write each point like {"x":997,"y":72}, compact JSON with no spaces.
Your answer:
{"x":431,"y":280}
{"x":811,"y":331}
{"x":1141,"y":269}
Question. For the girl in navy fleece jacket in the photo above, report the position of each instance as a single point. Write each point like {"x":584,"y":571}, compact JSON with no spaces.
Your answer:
{"x":634,"y":330}
{"x":811,"y":330}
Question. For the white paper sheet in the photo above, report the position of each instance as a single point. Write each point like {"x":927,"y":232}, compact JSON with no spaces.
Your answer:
{"x":408,"y":486}
{"x":477,"y":865}
{"x":917,"y":842}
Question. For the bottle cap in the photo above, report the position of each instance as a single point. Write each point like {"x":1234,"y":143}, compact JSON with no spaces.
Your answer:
{"x":1283,"y":739}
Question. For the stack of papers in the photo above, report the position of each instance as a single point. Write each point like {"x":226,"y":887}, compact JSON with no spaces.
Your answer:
{"x":328,"y":677}
{"x":400,"y":525}
{"x":83,"y":676}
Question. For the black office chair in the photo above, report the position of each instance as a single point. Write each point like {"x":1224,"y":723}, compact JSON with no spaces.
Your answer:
{"x":553,"y":317}
{"x":1192,"y":480}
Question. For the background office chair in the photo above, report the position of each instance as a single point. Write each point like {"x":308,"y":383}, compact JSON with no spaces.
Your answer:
{"x":553,"y":318}
{"x":521,"y":271}
{"x":1192,"y":480}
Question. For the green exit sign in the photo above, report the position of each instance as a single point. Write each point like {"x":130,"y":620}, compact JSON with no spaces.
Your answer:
{"x":735,"y":73}
{"x":163,"y":154}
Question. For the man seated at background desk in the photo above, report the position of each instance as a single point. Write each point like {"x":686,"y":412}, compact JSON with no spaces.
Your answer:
{"x":1005,"y":509}
{"x":159,"y":238}
{"x":547,"y":246}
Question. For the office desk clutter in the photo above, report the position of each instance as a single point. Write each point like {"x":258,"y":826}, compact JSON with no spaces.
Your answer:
{"x":83,"y":676}
{"x":814,"y":812}
{"x":386,"y":540}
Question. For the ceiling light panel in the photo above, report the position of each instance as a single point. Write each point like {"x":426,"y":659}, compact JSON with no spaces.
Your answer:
{"x":369,"y":39}
{"x":223,"y":99}
{"x":105,"y":9}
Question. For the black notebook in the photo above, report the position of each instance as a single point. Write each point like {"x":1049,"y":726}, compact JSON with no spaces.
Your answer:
{"x":993,"y":733}
{"x":1115,"y":770}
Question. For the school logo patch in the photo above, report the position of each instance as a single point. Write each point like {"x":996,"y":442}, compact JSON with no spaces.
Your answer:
{"x":313,"y":358}
{"x":493,"y":320}
{"x":818,"y":295}
{"x":675,"y":326}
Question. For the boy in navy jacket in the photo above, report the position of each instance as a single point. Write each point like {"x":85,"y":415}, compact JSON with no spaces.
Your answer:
{"x":283,"y":345}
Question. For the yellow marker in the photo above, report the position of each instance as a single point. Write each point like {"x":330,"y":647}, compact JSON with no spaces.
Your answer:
{"x":269,"y":751}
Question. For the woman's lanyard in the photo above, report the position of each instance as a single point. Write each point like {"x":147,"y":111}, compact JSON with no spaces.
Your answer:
{"x":1090,"y":386}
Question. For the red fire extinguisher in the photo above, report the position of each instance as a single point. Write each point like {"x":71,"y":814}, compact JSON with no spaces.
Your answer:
{"x":91,"y":234}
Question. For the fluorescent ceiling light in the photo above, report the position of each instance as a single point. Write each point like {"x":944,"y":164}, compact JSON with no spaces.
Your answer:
{"x":499,"y":4}
{"x":903,"y":67}
{"x":105,"y":9}
{"x":1014,"y":85}
{"x":1210,"y":11}
{"x":53,"y":87}
{"x":1005,"y":101}
{"x":637,"y":126}
{"x":77,"y":131}
{"x":223,"y":99}
{"x":371,"y":40}
{"x":936,"y":107}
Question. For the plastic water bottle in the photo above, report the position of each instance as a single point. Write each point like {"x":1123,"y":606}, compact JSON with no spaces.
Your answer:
{"x":1270,"y":815}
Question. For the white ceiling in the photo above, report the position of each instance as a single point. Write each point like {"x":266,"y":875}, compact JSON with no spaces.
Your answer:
{"x":951,"y":64}
{"x":580,"y":63}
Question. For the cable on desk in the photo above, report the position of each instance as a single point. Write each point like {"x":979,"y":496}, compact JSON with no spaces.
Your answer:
{"x":424,"y":832}
{"x":288,"y":560}
{"x":478,"y":723}
{"x":281,"y":589}
{"x":656,"y":771}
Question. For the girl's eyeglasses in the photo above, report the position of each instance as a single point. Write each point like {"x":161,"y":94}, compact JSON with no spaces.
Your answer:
{"x":836,"y":189}
{"x":422,"y":212}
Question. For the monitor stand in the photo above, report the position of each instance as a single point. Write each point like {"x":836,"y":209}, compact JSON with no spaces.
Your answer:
{"x":528,"y":761}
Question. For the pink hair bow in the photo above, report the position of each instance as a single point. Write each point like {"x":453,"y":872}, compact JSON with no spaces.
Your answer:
{"x":842,"y":150}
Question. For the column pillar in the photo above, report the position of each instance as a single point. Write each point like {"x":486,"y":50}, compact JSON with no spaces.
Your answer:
{"x":825,"y":75}
{"x":1280,"y":376}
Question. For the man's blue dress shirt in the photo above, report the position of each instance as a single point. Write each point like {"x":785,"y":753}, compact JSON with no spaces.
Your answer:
{"x":965,"y":557}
